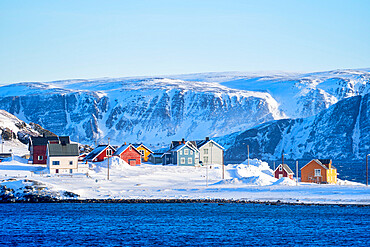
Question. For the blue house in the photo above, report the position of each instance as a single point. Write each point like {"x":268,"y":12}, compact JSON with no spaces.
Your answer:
{"x":181,"y":154}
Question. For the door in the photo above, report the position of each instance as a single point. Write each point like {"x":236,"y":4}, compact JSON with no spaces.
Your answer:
{"x":56,"y":170}
{"x":132,"y":162}
{"x":280,"y":175}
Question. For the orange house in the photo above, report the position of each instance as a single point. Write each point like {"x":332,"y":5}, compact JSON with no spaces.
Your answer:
{"x":319,"y":171}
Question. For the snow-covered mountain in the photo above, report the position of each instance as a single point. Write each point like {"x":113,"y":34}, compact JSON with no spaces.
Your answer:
{"x":340,"y":132}
{"x":156,"y":110}
{"x":14,"y":129}
{"x":148,"y":110}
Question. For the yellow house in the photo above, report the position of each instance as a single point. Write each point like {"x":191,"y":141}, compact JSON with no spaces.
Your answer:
{"x":319,"y":171}
{"x":144,"y":151}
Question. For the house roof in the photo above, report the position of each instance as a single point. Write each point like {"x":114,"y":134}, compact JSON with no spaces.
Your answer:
{"x":286,"y":168}
{"x":97,"y":151}
{"x":42,"y":141}
{"x":122,"y":148}
{"x":138,"y":145}
{"x":324,"y":165}
{"x":200,"y":143}
{"x":64,"y":139}
{"x":187,"y":144}
{"x":156,"y":154}
{"x":62,"y":150}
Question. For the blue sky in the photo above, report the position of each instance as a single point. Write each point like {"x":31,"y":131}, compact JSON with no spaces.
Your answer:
{"x":51,"y":40}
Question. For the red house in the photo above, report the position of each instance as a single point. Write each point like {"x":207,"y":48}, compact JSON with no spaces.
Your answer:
{"x":283,"y":171}
{"x":129,"y":154}
{"x":37,"y":147}
{"x":100,"y":153}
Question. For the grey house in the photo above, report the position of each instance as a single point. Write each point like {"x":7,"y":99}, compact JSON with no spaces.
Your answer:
{"x":183,"y":154}
{"x":210,"y":152}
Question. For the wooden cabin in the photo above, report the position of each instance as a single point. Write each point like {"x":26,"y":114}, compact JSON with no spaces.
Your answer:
{"x":283,"y":171}
{"x":129,"y":154}
{"x":319,"y":171}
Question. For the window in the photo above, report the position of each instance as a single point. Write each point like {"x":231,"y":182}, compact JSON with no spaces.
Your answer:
{"x":186,"y":151}
{"x":56,"y":163}
{"x":182,"y":161}
{"x":180,"y":152}
{"x":56,"y":170}
{"x":70,"y":170}
{"x":109,"y":152}
{"x":205,"y":159}
{"x":142,"y":152}
{"x":280,"y":168}
{"x":205,"y":151}
{"x":317,"y":172}
{"x":191,"y":152}
{"x":40,"y":157}
{"x":190,"y":160}
{"x":130,"y":148}
{"x":71,"y":163}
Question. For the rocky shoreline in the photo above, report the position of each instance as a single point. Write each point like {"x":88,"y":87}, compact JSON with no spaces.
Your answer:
{"x":49,"y":199}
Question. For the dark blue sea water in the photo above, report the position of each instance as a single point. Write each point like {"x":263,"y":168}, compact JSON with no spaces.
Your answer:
{"x":182,"y":225}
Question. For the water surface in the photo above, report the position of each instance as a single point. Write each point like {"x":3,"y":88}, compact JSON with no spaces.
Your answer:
{"x":196,"y":224}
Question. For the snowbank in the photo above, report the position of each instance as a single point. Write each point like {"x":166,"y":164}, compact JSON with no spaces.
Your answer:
{"x":256,"y":173}
{"x":285,"y":181}
{"x":115,"y":163}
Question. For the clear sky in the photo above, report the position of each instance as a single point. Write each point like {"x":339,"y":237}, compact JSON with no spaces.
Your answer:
{"x":51,"y":40}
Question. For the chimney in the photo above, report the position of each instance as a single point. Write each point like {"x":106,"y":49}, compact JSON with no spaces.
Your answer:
{"x":207,"y":138}
{"x":125,"y":143}
{"x":183,"y":140}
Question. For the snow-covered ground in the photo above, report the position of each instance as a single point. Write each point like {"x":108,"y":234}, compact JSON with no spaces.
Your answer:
{"x":250,"y":182}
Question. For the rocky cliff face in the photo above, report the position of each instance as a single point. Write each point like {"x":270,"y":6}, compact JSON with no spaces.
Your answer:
{"x":150,"y":111}
{"x":11,"y":128}
{"x":340,"y":132}
{"x":158,"y":110}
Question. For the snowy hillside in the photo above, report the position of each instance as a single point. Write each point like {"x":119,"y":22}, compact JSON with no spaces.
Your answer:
{"x":156,"y":110}
{"x":340,"y":132}
{"x":14,"y":130}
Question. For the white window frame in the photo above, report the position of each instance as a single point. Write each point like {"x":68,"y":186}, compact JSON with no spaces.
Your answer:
{"x":186,"y":151}
{"x":205,"y":151}
{"x":191,"y":152}
{"x":182,"y":160}
{"x":280,"y":168}
{"x":190,"y":160}
{"x":317,"y":172}
{"x":56,"y":162}
{"x":142,"y":152}
{"x":205,"y":159}
{"x":38,"y":157}
{"x":109,"y":152}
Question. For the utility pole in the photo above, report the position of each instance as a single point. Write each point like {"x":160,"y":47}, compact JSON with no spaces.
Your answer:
{"x":274,"y":165}
{"x":367,"y":170}
{"x":248,"y":153}
{"x":207,"y":174}
{"x":108,"y":150}
{"x":296,"y":167}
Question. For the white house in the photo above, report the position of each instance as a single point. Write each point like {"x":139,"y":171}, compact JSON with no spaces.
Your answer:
{"x":210,"y":152}
{"x":62,"y":158}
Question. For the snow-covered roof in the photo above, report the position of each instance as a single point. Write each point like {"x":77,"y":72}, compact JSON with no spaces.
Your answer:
{"x":286,"y":168}
{"x":122,"y":148}
{"x":97,"y":151}
{"x":200,"y":143}
{"x":187,"y":144}
{"x":321,"y":164}
{"x":142,"y":145}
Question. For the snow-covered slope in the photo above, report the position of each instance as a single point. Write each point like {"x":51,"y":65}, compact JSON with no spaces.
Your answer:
{"x":13,"y":129}
{"x":340,"y":132}
{"x":152,"y":110}
{"x":299,"y":95}
{"x":156,"y":110}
